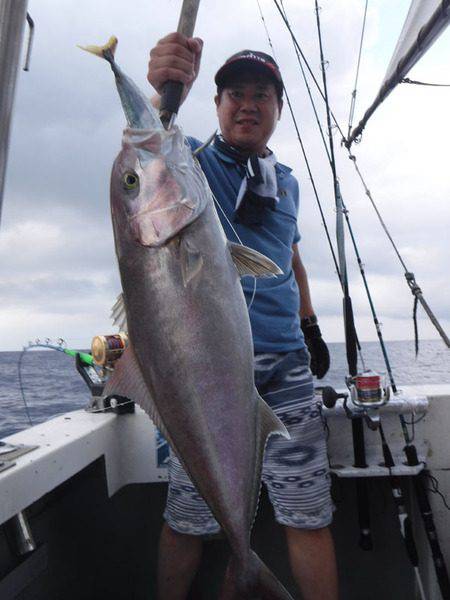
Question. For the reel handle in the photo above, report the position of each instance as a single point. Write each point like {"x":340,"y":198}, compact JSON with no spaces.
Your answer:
{"x":330,"y":396}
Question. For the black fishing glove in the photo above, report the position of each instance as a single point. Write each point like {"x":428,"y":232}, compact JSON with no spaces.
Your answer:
{"x":320,"y":356}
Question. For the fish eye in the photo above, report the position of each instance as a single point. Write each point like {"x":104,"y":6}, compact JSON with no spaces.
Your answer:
{"x":130,"y":180}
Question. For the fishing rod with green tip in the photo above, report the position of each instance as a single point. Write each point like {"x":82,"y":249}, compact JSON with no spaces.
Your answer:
{"x":84,"y":357}
{"x":173,"y":90}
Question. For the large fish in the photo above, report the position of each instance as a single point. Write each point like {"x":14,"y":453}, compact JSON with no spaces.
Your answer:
{"x":190,"y":360}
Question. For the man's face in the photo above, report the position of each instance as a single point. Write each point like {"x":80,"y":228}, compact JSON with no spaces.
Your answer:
{"x":248,"y":110}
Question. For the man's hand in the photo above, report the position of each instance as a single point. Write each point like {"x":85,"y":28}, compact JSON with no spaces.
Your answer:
{"x":175,"y":58}
{"x":320,"y":356}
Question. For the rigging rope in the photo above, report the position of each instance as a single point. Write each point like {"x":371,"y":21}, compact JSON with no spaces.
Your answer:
{"x":355,"y":87}
{"x":407,"y":80}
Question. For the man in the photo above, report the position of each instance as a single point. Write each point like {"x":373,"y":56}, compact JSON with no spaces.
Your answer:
{"x":258,"y":203}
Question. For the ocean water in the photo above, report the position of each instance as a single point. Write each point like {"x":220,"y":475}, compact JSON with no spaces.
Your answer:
{"x":51,"y":384}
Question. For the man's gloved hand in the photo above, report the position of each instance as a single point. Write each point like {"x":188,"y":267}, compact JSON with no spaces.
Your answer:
{"x":320,"y":356}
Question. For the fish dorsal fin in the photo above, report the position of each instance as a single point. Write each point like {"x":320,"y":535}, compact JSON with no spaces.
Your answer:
{"x":127,"y":381}
{"x":119,"y":315}
{"x":252,"y":262}
{"x":191,"y":260}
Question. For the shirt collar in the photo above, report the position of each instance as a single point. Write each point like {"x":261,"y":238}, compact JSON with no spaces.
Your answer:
{"x":279,"y":167}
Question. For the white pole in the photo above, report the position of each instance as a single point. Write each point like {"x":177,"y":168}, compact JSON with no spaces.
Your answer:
{"x":12,"y":22}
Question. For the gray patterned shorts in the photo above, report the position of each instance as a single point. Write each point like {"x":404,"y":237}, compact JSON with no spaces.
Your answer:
{"x":295,"y":471}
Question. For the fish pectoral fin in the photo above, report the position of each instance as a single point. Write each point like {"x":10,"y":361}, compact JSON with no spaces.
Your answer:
{"x":191,"y":261}
{"x":252,"y":262}
{"x":119,"y":315}
{"x":127,"y":381}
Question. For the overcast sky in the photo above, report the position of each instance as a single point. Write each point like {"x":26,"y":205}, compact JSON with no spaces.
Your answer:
{"x":58,"y":271}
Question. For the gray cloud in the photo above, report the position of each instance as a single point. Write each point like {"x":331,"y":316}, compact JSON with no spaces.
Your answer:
{"x":58,"y":274}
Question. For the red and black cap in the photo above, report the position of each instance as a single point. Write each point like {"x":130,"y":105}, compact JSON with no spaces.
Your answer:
{"x":252,"y":60}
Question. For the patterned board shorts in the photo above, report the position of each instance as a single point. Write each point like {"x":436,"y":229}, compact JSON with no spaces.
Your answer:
{"x":295,"y":471}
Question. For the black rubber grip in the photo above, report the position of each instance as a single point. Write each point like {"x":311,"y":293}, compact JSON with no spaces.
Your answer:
{"x":170,"y":100}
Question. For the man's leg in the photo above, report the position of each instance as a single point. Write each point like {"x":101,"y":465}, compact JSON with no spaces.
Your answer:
{"x":179,"y":557}
{"x":313,"y":562}
{"x":187,"y":519}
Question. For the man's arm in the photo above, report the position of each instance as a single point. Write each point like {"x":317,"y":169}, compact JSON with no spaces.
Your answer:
{"x":320,"y":356}
{"x":174,"y":58}
{"x":306,"y":309}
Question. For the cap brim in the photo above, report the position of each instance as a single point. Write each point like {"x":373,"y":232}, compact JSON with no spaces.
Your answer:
{"x":233,"y":69}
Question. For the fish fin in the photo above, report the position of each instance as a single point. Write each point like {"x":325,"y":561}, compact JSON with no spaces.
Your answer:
{"x":251,"y":579}
{"x":119,"y":315}
{"x":191,"y":261}
{"x":127,"y":381}
{"x":251,"y":262}
{"x":108,"y":50}
{"x":269,"y":424}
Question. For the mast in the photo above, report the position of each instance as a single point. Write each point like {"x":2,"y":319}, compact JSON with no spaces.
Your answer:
{"x":12,"y":22}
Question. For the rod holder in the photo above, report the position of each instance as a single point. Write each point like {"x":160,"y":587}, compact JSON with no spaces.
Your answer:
{"x":19,"y":535}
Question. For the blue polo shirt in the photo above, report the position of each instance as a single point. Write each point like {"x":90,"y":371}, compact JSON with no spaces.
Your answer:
{"x":274,"y":312}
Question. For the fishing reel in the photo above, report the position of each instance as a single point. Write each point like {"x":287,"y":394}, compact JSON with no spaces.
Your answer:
{"x":366,"y":395}
{"x":106,"y":350}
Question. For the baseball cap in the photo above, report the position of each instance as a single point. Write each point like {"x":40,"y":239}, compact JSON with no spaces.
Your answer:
{"x":252,"y":59}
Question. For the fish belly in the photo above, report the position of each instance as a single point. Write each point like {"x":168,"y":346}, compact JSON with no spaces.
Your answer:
{"x":193,"y":344}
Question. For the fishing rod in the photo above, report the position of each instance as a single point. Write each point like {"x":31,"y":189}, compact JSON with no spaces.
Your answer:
{"x":60,"y":346}
{"x":420,"y":489}
{"x":406,"y":529}
{"x":409,"y":276}
{"x":365,"y":540}
{"x":410,"y":450}
{"x":85,"y":362}
{"x":173,"y":90}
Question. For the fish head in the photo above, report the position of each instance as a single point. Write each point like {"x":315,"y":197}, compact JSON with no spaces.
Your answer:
{"x":157,"y":188}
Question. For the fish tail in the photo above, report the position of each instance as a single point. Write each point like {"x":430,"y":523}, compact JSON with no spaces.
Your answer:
{"x":251,"y":579}
{"x":107,"y":51}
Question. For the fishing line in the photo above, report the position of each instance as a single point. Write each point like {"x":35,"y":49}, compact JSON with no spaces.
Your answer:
{"x":241,"y":243}
{"x":410,"y":450}
{"x":359,"y":349}
{"x":297,"y":45}
{"x":305,"y":156}
{"x":415,"y":290}
{"x":21,"y":386}
{"x":435,"y":489}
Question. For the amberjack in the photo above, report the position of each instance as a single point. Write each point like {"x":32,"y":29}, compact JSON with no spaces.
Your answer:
{"x":189,"y":364}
